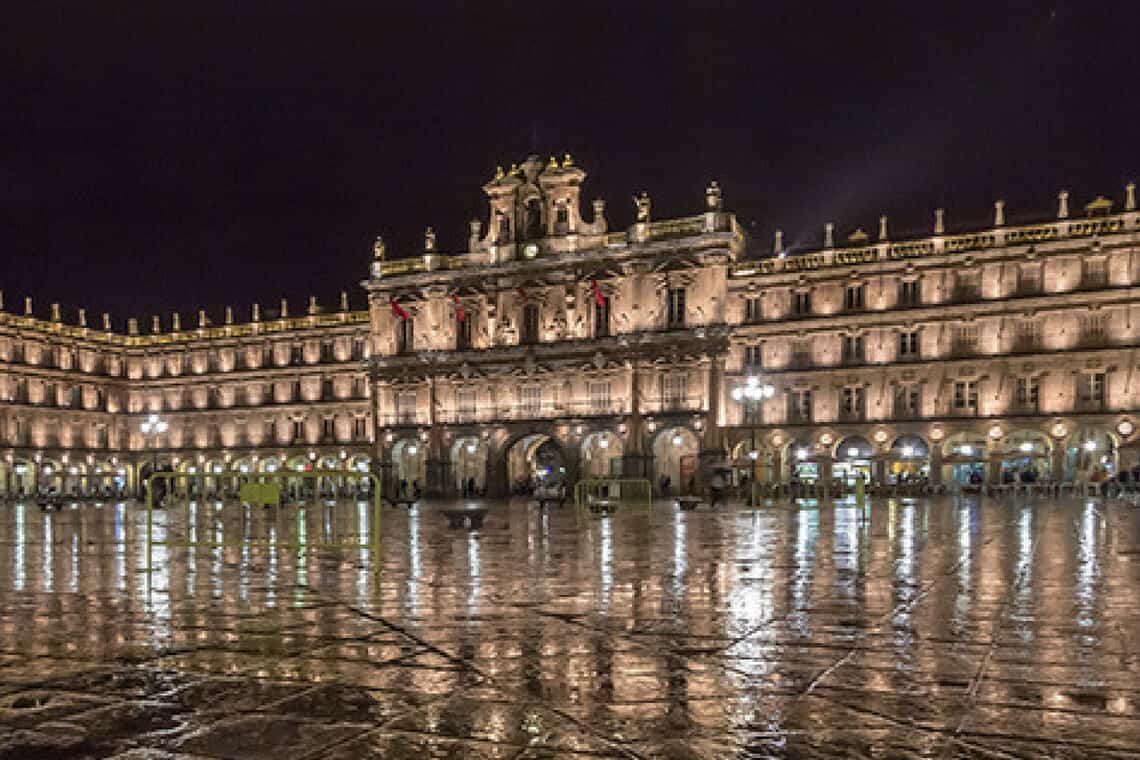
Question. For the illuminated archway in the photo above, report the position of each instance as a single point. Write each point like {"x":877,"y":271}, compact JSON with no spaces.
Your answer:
{"x":469,"y":465}
{"x":676,"y":454}
{"x":601,"y":455}
{"x":1090,"y":455}
{"x":533,"y":459}
{"x":408,"y":465}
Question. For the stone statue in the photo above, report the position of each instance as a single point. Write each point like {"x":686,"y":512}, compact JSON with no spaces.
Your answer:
{"x":712,"y":196}
{"x":379,"y":250}
{"x":641,"y":203}
{"x":429,"y":240}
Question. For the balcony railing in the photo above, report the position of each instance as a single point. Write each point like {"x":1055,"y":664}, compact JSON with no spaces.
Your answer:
{"x":673,"y":404}
{"x":1090,"y":405}
{"x":852,"y":415}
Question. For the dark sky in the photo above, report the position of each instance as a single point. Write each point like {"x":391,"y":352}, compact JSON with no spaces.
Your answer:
{"x":192,"y":155}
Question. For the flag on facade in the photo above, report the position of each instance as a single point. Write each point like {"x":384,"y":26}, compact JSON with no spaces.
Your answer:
{"x":399,"y":310}
{"x":459,"y":313}
{"x":598,"y":297}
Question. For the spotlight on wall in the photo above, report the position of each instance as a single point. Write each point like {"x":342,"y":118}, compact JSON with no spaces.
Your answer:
{"x":471,"y":448}
{"x":677,"y":440}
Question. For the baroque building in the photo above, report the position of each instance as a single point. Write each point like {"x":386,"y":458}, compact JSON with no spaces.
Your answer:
{"x":554,"y":346}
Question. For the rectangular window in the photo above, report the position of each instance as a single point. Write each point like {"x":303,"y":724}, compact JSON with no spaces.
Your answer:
{"x":799,"y":406}
{"x":1028,"y":336}
{"x":908,"y":401}
{"x":852,"y":349}
{"x":753,"y":358}
{"x":801,"y":303}
{"x":530,"y":399}
{"x":853,"y":298}
{"x":908,"y":293}
{"x":465,"y":400}
{"x":752,"y":310}
{"x":908,"y":344}
{"x":599,"y":397}
{"x":966,"y":397}
{"x":1091,"y":391}
{"x":463,"y":333}
{"x":329,"y":428}
{"x":359,"y":428}
{"x":674,"y":390}
{"x":405,"y":336}
{"x":801,"y":355}
{"x":965,"y":340}
{"x":530,"y":324}
{"x":298,"y":430}
{"x":1027,"y":394}
{"x":676,"y":307}
{"x":852,"y":404}
{"x":406,"y":407}
{"x":602,"y":318}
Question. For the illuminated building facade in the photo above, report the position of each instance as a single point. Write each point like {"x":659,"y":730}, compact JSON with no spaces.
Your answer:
{"x":554,"y":346}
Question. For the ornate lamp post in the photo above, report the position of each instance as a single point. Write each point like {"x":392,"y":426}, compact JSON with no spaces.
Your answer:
{"x":752,"y":394}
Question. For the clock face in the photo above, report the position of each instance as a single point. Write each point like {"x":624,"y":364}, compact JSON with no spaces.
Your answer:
{"x":530,"y":251}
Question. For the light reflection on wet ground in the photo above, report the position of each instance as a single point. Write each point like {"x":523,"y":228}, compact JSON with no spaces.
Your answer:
{"x":934,"y":628}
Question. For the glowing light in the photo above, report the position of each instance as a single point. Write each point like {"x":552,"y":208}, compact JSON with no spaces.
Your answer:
{"x":967,"y":450}
{"x":413,"y":450}
{"x":677,"y":440}
{"x":754,"y":455}
{"x":1125,"y":428}
{"x":603,"y":443}
{"x":908,"y":451}
{"x":1026,"y":446}
{"x":852,"y":452}
{"x":1090,"y":445}
{"x":737,"y":394}
{"x":471,"y":448}
{"x":801,"y":454}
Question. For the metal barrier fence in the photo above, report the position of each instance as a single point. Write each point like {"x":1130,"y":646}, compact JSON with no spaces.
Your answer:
{"x":605,"y":496}
{"x":260,"y":489}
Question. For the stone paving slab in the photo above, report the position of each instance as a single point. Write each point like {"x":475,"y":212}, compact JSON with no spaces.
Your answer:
{"x":938,"y":628}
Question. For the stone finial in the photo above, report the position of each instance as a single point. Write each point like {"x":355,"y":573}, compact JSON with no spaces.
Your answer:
{"x":176,"y":322}
{"x":313,"y":309}
{"x":202,"y":321}
{"x":55,"y":317}
{"x":132,"y":326}
{"x":284,"y":308}
{"x":82,"y":317}
{"x":379,"y":249}
{"x":939,"y":221}
{"x":552,"y":163}
{"x":229,"y":315}
{"x":1063,"y":204}
{"x":829,"y":235}
{"x":476,"y":228}
{"x":778,"y":242}
{"x":599,"y":210}
{"x":155,"y":325}
{"x":106,"y":322}
{"x":641,"y":205}
{"x":429,"y":240}
{"x":1130,"y":196}
{"x":999,"y":213}
{"x":256,"y":313}
{"x":499,"y":173}
{"x":1,"y":300}
{"x":344,"y":300}
{"x":713,"y":198}
{"x":883,"y":227}
{"x":27,"y":306}
{"x":567,"y":162}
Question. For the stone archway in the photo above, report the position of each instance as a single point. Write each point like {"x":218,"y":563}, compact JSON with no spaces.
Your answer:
{"x":469,"y":455}
{"x":601,"y":455}
{"x":557,"y":457}
{"x":676,"y":456}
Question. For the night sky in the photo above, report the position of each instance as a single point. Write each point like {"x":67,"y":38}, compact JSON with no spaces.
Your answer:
{"x":189,"y":157}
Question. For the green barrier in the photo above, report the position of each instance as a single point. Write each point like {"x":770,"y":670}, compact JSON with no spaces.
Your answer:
{"x":264,"y":490}
{"x":606,"y":496}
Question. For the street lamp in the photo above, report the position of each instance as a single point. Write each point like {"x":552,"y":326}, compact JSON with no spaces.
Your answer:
{"x":750,"y":394}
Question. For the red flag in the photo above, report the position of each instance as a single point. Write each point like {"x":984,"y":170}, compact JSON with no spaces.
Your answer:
{"x":522,"y":294}
{"x":598,"y":297}
{"x":399,"y":310}
{"x":459,"y":313}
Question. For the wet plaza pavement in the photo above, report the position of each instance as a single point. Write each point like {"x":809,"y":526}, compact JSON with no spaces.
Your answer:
{"x":938,"y":628}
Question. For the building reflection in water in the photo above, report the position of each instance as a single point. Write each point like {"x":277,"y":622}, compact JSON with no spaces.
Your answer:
{"x":806,"y":533}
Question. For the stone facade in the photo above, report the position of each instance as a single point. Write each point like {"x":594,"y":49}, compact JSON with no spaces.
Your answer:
{"x":554,"y":347}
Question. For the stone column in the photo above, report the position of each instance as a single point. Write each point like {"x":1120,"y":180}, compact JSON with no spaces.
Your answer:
{"x":936,"y":463}
{"x":712,"y":444}
{"x":634,"y":461}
